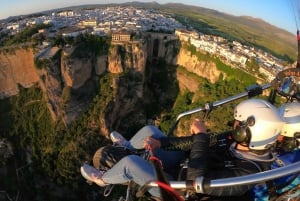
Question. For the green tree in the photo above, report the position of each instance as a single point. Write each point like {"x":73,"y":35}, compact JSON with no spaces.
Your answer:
{"x":252,"y":65}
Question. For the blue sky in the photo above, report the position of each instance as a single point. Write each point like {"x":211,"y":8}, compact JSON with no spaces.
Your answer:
{"x":281,"y":13}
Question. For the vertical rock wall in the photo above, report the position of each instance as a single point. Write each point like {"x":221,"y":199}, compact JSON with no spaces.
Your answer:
{"x":127,"y":55}
{"x":17,"y":68}
{"x":75,"y":71}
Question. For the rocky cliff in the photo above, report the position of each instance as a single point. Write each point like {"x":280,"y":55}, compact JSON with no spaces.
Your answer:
{"x":75,"y":72}
{"x":201,"y":68}
{"x":131,"y":55}
{"x":69,"y":82}
{"x":16,"y":68}
{"x":127,"y":61}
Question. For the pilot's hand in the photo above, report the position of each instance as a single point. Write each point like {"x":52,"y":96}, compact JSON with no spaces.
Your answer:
{"x":151,"y":143}
{"x":198,"y":126}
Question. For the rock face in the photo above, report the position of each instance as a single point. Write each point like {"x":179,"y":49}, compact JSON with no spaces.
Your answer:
{"x":186,"y":82}
{"x":76,"y":72}
{"x":129,"y":61}
{"x":201,"y":68}
{"x":115,"y":60}
{"x":101,"y":65}
{"x":131,"y":55}
{"x":68,"y":86}
{"x":16,"y":68}
{"x":51,"y":84}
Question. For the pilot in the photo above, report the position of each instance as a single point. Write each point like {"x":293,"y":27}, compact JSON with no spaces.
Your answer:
{"x":246,"y":150}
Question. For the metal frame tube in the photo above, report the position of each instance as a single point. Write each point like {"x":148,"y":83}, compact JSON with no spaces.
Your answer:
{"x":258,"y":177}
{"x":242,"y":180}
{"x":221,"y":102}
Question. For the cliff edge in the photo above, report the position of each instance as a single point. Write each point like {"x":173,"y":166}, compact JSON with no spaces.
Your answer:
{"x":17,"y":68}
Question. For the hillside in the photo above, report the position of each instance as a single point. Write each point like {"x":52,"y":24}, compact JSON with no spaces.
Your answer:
{"x":248,"y":30}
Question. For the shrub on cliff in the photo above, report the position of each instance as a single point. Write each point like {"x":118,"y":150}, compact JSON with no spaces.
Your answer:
{"x":23,"y":36}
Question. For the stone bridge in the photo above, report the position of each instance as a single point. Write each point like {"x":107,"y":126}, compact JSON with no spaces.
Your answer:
{"x":156,"y":44}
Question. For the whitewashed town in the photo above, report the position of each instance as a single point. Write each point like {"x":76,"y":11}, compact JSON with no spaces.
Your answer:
{"x":121,"y":22}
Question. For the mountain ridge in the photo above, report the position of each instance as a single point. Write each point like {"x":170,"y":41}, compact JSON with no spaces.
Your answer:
{"x":248,"y":30}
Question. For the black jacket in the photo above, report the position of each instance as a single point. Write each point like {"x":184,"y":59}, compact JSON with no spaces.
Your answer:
{"x":210,"y":156}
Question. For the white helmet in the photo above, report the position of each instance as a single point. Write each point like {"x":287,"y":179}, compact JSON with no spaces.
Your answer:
{"x":259,"y":124}
{"x":290,"y":112}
